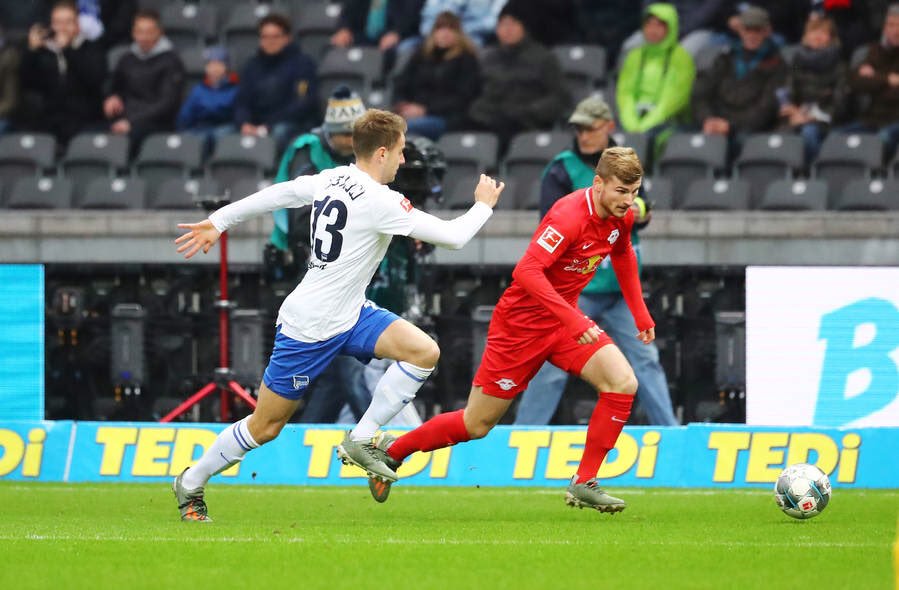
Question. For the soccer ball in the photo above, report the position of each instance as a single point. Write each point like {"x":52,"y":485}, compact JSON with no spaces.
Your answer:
{"x":802,"y":491}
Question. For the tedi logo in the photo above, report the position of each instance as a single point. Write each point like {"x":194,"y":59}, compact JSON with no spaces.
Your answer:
{"x":860,"y":373}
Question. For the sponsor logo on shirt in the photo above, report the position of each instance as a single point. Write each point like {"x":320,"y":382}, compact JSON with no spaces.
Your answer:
{"x":407,"y":205}
{"x":300,"y":381}
{"x":613,"y":236}
{"x":550,"y":239}
{"x":506,"y":384}
{"x":584,"y":266}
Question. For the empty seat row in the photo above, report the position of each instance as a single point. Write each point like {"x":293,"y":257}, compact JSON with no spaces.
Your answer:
{"x":765,"y":157}
{"x":120,"y":193}
{"x":162,"y":156}
{"x":721,"y":194}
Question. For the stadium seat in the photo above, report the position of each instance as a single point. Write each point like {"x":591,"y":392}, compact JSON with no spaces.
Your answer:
{"x":168,"y":155}
{"x":116,"y":193}
{"x":710,"y":194}
{"x":795,"y":195}
{"x":706,"y":56}
{"x":240,"y":33}
{"x":114,"y":54}
{"x":248,"y":186}
{"x":768,"y":157}
{"x":689,"y":157}
{"x":858,"y":56}
{"x":237,"y":157}
{"x":194,"y":67}
{"x":40,"y":193}
{"x":23,"y":155}
{"x":529,"y":153}
{"x":658,"y":192}
{"x":584,"y":68}
{"x":869,"y":195}
{"x":316,"y":22}
{"x":467,"y":155}
{"x":180,"y":193}
{"x":93,"y":155}
{"x":640,"y":144}
{"x":848,"y":156}
{"x":894,"y":166}
{"x":356,"y":67}
{"x":189,"y":24}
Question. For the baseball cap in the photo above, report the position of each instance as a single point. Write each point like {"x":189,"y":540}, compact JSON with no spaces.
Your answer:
{"x":589,"y":110}
{"x":754,"y":17}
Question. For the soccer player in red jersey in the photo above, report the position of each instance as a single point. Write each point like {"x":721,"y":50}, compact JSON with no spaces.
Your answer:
{"x":537,"y":319}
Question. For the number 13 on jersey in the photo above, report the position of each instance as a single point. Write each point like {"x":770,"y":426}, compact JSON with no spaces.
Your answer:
{"x":327,"y":241}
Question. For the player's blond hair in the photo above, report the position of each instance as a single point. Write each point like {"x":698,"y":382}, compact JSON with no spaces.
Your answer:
{"x":620,"y":162}
{"x":374,"y":129}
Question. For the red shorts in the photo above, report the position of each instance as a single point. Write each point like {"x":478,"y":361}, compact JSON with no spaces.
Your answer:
{"x":512,"y":356}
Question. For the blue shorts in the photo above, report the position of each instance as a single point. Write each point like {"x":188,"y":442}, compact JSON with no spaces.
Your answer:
{"x":295,"y":365}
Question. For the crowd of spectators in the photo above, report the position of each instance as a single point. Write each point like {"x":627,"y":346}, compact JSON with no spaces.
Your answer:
{"x":718,"y":67}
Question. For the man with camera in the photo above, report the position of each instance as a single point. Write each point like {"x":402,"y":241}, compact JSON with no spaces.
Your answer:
{"x":62,"y":77}
{"x":601,"y":299}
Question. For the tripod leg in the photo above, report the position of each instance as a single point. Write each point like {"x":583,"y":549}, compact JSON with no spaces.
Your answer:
{"x":240,"y":392}
{"x":190,"y":402}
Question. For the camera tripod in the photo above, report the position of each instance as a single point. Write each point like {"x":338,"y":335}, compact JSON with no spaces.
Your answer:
{"x":223,"y":378}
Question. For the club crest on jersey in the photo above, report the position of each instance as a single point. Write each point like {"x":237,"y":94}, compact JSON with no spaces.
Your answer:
{"x":505,"y":384}
{"x":550,"y":239}
{"x":300,"y":381}
{"x":407,"y":205}
{"x":613,"y":237}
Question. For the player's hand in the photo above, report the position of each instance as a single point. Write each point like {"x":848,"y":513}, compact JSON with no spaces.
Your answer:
{"x":647,"y":336}
{"x":200,"y":236}
{"x":488,"y":191}
{"x":591,"y":336}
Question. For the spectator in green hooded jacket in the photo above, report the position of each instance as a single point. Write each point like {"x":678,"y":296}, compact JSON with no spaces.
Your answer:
{"x":656,"y":80}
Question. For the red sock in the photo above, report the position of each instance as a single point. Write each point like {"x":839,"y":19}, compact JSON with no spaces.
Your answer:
{"x":440,"y":431}
{"x":611,"y":412}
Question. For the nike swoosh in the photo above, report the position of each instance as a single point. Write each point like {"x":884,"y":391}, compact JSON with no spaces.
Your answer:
{"x":617,"y":419}
{"x":585,"y":246}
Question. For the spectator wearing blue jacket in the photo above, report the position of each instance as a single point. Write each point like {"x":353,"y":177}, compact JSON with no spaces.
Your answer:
{"x":209,"y":109}
{"x":278,"y":86}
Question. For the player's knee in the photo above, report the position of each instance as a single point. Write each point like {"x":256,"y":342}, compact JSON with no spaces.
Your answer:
{"x":478,"y":428}
{"x":426,"y":355}
{"x":628,"y":384}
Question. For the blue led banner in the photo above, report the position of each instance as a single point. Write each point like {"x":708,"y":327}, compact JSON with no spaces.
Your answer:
{"x":698,"y":455}
{"x":21,"y":342}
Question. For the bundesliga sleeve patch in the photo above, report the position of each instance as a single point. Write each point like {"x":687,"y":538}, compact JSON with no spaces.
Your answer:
{"x":550,"y":239}
{"x":407,"y":205}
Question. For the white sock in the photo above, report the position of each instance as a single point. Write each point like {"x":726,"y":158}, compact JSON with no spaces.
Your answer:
{"x":229,"y":448}
{"x":395,"y":390}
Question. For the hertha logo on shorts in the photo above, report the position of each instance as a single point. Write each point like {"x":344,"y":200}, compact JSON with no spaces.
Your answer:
{"x":550,"y":239}
{"x":506,"y":384}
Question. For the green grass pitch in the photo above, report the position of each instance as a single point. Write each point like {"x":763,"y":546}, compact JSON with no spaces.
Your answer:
{"x":127,"y":536}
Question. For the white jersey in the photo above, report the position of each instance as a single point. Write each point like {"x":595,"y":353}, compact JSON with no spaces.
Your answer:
{"x":353,"y":221}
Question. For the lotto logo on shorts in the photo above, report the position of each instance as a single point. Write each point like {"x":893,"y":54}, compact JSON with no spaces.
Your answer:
{"x":505,"y":384}
{"x":550,"y":239}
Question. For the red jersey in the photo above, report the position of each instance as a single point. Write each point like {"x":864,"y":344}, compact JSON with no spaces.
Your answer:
{"x":570,"y":243}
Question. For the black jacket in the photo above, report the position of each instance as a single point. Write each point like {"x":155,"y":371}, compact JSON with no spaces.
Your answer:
{"x":63,"y":92}
{"x":445,"y":87}
{"x":150,"y":87}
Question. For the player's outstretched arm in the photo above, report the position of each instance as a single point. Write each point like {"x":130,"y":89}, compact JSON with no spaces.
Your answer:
{"x":200,"y":236}
{"x":455,"y":233}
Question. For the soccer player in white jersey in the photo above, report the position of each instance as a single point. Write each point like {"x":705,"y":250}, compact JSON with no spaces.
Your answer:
{"x":354,"y":217}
